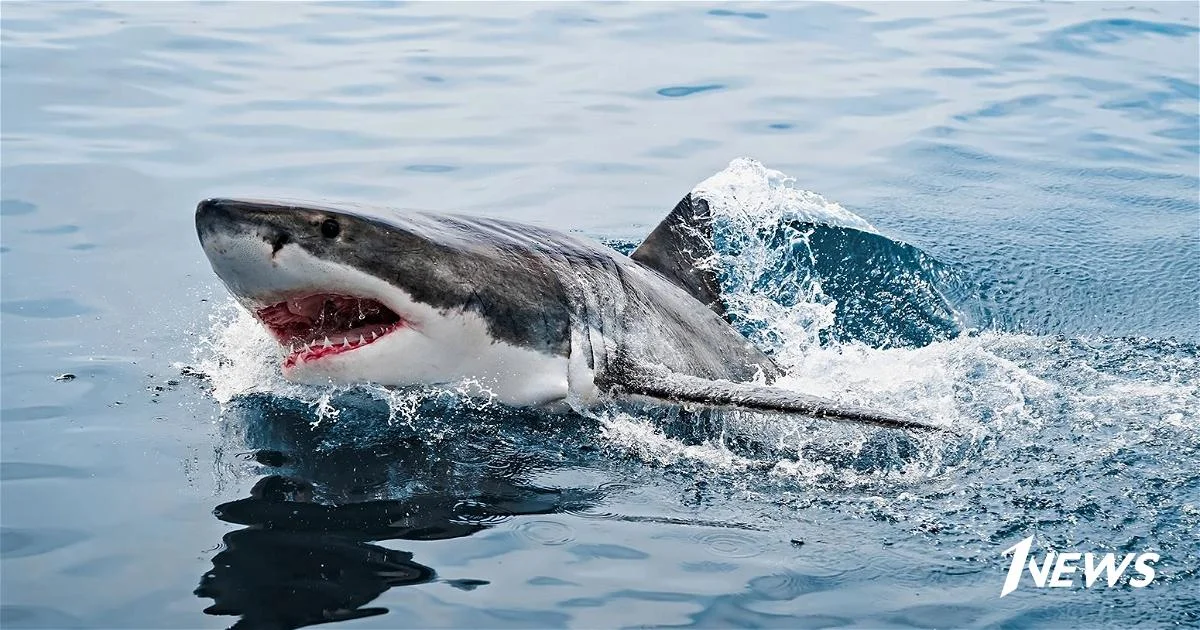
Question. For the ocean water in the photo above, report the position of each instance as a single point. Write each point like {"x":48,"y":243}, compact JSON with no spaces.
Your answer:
{"x":983,"y":215}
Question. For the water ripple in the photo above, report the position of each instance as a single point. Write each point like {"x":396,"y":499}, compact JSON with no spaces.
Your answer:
{"x":731,"y":544}
{"x":545,"y":532}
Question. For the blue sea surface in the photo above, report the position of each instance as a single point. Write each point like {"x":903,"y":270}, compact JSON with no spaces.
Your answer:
{"x":1016,"y":254}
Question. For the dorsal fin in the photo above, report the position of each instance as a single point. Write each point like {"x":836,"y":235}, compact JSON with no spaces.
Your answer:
{"x":677,"y":244}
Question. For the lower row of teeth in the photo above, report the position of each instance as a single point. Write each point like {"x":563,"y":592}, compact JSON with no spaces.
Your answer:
{"x":346,"y":343}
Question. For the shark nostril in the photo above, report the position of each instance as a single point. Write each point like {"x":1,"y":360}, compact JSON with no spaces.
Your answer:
{"x":279,"y":241}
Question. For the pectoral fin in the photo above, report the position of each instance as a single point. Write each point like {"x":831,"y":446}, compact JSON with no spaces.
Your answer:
{"x":683,"y":389}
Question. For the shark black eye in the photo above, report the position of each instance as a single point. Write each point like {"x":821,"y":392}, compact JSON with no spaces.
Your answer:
{"x":330,"y":228}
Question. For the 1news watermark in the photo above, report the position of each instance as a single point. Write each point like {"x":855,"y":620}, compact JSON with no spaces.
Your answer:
{"x":1061,"y":570}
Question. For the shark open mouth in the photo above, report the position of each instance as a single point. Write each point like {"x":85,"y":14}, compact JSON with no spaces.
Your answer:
{"x":323,"y":325}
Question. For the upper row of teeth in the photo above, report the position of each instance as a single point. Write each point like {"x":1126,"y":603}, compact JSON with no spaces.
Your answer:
{"x":346,"y":343}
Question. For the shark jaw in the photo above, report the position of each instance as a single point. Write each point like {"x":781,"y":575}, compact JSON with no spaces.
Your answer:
{"x":319,"y":326}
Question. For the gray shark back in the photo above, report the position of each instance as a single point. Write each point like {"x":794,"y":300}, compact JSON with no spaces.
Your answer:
{"x":553,"y":291}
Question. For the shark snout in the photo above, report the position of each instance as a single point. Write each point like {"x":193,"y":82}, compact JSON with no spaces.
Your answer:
{"x":244,"y":242}
{"x":212,"y":216}
{"x":227,"y":217}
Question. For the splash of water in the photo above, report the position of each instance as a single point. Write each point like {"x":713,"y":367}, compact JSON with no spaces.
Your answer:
{"x":242,"y":361}
{"x":1000,"y":390}
{"x":997,"y":389}
{"x":798,"y":271}
{"x":756,"y":261}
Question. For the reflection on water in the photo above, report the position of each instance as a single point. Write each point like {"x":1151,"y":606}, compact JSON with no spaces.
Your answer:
{"x":281,"y":574}
{"x":306,"y":554}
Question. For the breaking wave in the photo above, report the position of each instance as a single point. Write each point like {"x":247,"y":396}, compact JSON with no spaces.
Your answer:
{"x":861,"y":318}
{"x":1078,"y":438}
{"x":797,"y":270}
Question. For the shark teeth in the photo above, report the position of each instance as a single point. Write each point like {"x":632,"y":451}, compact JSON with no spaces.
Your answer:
{"x":314,"y":349}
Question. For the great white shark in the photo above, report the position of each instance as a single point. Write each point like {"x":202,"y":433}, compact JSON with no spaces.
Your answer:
{"x":531,"y":315}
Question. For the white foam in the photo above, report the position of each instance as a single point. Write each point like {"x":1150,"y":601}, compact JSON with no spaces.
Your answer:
{"x":747,"y":201}
{"x":238,"y":355}
{"x":642,"y":438}
{"x":239,"y":358}
{"x":750,"y":193}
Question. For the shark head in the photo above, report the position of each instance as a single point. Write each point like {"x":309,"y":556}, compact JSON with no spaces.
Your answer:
{"x":355,"y":294}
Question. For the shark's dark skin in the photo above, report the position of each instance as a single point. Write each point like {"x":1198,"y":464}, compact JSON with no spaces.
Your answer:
{"x":530,"y":284}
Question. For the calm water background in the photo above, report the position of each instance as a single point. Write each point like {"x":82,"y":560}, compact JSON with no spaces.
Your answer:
{"x":1049,"y":151}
